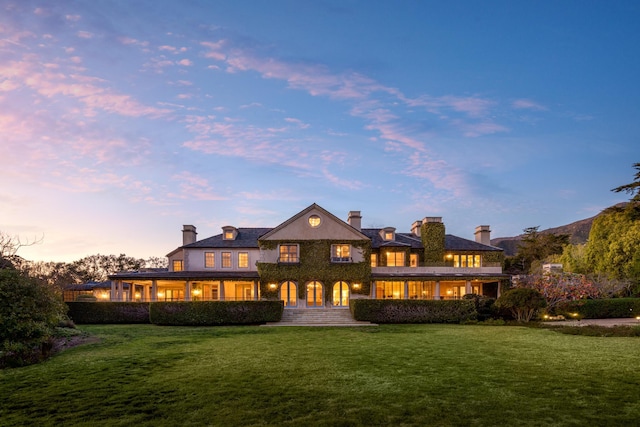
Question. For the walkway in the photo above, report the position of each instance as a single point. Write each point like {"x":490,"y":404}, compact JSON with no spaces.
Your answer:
{"x":628,"y":321}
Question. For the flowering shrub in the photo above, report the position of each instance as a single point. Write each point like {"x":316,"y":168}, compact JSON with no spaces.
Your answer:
{"x":560,"y":287}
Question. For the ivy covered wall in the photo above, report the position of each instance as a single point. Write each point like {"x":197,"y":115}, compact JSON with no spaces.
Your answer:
{"x":433,"y":241}
{"x":315,"y":264}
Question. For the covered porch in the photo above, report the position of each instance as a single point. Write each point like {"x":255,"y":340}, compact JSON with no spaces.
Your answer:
{"x":195,"y":286}
{"x":435,"y":288}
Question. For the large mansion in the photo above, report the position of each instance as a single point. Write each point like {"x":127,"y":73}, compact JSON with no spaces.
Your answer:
{"x":315,"y":259}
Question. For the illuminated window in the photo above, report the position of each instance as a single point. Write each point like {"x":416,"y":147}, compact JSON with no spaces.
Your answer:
{"x":413,"y":260}
{"x":226,"y":259}
{"x":209,"y":260}
{"x":466,"y":261}
{"x":288,"y":254}
{"x":388,"y":235}
{"x":389,"y":289}
{"x":314,"y":221}
{"x":340,"y":253}
{"x":243,"y":260}
{"x":341,"y":294}
{"x":420,"y":290}
{"x":288,"y":294}
{"x":395,"y":259}
{"x":177,"y":265}
{"x":228,"y":235}
{"x":374,"y":260}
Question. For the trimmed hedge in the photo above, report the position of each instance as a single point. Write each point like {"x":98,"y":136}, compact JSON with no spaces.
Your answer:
{"x":214,"y":313}
{"x":108,"y":312}
{"x":413,"y":311}
{"x":601,"y":308}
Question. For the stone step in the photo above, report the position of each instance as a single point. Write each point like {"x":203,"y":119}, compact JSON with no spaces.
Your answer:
{"x":318,"y":317}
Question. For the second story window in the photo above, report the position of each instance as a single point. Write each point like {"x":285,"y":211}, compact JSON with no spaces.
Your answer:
{"x":209,"y":260}
{"x":288,"y":254}
{"x":466,"y":261}
{"x":226,"y":259}
{"x":374,"y":260}
{"x":340,"y":253}
{"x":243,"y":260}
{"x":395,"y":259}
{"x":177,"y":265}
{"x":413,"y":260}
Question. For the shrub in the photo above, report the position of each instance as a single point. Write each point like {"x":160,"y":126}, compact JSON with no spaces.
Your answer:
{"x":523,"y":303}
{"x":413,"y":311}
{"x":108,"y":312}
{"x":484,"y":306}
{"x":212,"y":313}
{"x":602,"y":308}
{"x":29,"y":312}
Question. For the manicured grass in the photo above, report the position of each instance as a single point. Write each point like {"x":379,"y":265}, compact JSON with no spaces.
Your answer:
{"x":412,"y":375}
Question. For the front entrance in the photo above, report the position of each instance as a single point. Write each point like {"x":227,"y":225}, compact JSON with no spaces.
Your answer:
{"x":314,"y":294}
{"x":340,"y":294}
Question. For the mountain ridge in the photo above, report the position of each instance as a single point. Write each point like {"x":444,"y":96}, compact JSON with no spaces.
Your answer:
{"x":578,"y":232}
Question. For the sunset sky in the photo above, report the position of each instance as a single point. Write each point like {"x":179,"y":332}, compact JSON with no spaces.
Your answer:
{"x":120,"y":121}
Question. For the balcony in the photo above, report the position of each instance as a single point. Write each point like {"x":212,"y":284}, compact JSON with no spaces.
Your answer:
{"x":441,"y":268}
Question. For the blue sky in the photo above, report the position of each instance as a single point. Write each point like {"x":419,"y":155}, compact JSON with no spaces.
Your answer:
{"x":120,"y":121}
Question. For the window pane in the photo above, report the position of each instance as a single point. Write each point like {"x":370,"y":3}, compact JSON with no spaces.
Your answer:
{"x":226,"y":259}
{"x":177,"y":265}
{"x":209,"y":260}
{"x":243,"y":260}
{"x":374,"y":260}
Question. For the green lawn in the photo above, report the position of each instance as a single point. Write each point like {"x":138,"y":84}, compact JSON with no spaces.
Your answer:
{"x":418,"y":375}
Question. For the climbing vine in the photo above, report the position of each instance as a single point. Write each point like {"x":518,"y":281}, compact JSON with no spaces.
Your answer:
{"x":315,"y":265}
{"x":433,"y":241}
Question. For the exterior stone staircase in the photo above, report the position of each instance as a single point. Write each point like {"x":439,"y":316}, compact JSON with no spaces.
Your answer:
{"x":318,"y":317}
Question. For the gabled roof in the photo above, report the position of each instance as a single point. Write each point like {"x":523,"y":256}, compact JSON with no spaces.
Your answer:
{"x":314,"y":207}
{"x":246,"y":238}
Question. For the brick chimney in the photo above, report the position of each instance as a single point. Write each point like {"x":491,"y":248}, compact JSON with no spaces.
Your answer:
{"x":355,"y":220}
{"x":188,"y":234}
{"x":483,"y":235}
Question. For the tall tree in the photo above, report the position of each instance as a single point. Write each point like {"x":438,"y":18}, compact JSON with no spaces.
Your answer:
{"x":536,"y":246}
{"x":632,"y":188}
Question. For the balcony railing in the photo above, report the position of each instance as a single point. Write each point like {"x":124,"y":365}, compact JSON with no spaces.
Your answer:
{"x":341,"y":259}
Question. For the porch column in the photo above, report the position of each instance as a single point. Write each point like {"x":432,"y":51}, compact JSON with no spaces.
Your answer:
{"x":406,"y":289}
{"x":112,"y":297}
{"x":119,"y":290}
{"x":467,"y":287}
{"x":221,"y":290}
{"x":154,"y":290}
{"x":256,"y":289}
{"x":145,"y":292}
{"x":187,"y":290}
{"x":436,"y":295}
{"x":373,"y":290}
{"x":499,"y":288}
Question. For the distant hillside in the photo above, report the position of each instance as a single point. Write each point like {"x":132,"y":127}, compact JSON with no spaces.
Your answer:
{"x":578,"y":233}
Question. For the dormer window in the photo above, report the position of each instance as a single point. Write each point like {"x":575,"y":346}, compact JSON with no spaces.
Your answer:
{"x":229,"y":233}
{"x":388,"y":234}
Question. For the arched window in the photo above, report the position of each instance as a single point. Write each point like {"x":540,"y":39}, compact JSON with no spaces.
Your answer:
{"x":289,"y":294}
{"x":314,"y":294}
{"x":340,"y":294}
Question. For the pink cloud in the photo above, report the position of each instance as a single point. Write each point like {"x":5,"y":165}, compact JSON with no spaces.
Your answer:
{"x":185,"y":62}
{"x":84,"y":34}
{"x":527,"y":104}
